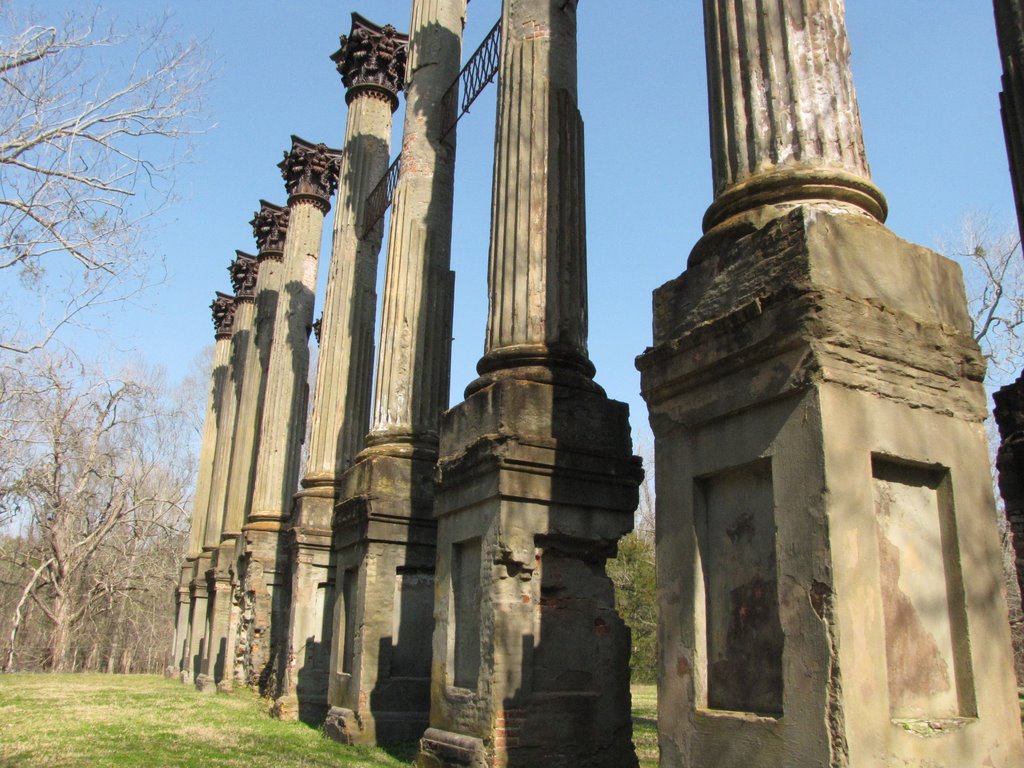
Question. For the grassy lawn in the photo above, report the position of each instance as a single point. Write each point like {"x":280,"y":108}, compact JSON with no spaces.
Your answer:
{"x":141,"y":720}
{"x":73,"y":721}
{"x":645,"y":724}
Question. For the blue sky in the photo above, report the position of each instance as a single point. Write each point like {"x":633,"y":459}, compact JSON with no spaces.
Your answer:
{"x":926,"y":71}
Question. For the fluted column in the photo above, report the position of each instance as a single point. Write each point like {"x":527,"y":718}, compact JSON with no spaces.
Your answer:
{"x":537,"y":324}
{"x":1010,"y":34}
{"x":413,"y":364}
{"x":221,"y":543}
{"x":244,"y":272}
{"x":311,"y":176}
{"x":223,"y":314}
{"x":270,"y":225}
{"x":371,"y":62}
{"x":199,"y":553}
{"x":223,"y":308}
{"x":535,"y":480}
{"x":785,"y":126}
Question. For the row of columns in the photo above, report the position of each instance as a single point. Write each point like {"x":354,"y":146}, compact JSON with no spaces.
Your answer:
{"x":363,"y":529}
{"x":828,"y":588}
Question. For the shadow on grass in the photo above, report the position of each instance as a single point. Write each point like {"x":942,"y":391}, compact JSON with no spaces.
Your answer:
{"x":403,"y":750}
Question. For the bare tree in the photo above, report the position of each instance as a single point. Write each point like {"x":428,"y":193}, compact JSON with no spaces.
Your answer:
{"x":994,"y":278}
{"x":91,"y":123}
{"x":100,"y":483}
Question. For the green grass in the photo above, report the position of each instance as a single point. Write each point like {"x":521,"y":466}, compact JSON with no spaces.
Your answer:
{"x":141,"y":720}
{"x":74,"y":721}
{"x":645,"y":724}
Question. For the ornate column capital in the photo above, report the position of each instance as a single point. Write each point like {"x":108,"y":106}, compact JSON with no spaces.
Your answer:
{"x":310,"y":173}
{"x":243,"y":271}
{"x":269,"y":226}
{"x":223,"y":309}
{"x":371,"y":60}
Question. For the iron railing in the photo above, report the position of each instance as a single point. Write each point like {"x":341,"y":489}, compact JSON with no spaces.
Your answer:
{"x":478,"y":73}
{"x":379,"y":200}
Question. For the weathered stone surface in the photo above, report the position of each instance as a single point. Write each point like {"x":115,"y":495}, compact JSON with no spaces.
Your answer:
{"x":253,"y":354}
{"x":1010,"y":34}
{"x":384,"y":539}
{"x":536,"y":485}
{"x":536,"y":478}
{"x":816,"y":362}
{"x":383,"y":528}
{"x":198,"y":610}
{"x":310,"y":174}
{"x":303,"y":692}
{"x":1009,"y":415}
{"x":785,"y":125}
{"x":180,"y":647}
{"x":537,"y":319}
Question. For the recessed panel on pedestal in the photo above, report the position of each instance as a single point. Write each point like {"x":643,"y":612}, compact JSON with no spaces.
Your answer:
{"x":919,"y":573}
{"x":736,"y":530}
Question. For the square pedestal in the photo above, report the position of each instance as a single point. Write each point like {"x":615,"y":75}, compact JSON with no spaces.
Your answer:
{"x":303,"y":693}
{"x":828,"y":560}
{"x":384,"y":538}
{"x":264,"y":581}
{"x":537,"y":483}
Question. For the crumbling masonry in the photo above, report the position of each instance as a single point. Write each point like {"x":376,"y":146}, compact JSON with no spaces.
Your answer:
{"x":828,"y":563}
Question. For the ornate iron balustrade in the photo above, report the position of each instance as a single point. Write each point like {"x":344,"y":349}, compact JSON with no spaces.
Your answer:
{"x":379,"y":200}
{"x":478,"y":73}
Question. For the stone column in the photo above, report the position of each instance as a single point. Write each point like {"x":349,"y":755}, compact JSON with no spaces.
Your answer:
{"x":270,"y":225}
{"x":1009,"y":410}
{"x":384,"y":529}
{"x":828,"y":561}
{"x":371,"y":62}
{"x":180,"y":666}
{"x":216,"y":667}
{"x":1010,"y":34}
{"x":1009,"y":416}
{"x":785,"y":126}
{"x":537,"y":481}
{"x":223,"y":317}
{"x":311,"y":176}
{"x":223,"y":308}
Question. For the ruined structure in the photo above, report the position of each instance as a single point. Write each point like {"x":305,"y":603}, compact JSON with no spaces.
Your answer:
{"x":219,"y":655}
{"x":371,"y":62}
{"x":536,"y":478}
{"x":828,"y":567}
{"x":384,"y":528}
{"x":829,"y":574}
{"x":257,"y":282}
{"x":1009,"y":410}
{"x":311,"y":175}
{"x":192,"y":594}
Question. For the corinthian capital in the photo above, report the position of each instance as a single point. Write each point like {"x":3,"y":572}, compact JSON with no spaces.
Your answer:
{"x":223,"y":309}
{"x":269,"y":226}
{"x":243,"y":271}
{"x":310,"y":172}
{"x":371,"y":60}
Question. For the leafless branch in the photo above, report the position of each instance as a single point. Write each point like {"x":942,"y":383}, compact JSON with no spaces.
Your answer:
{"x":89,"y":118}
